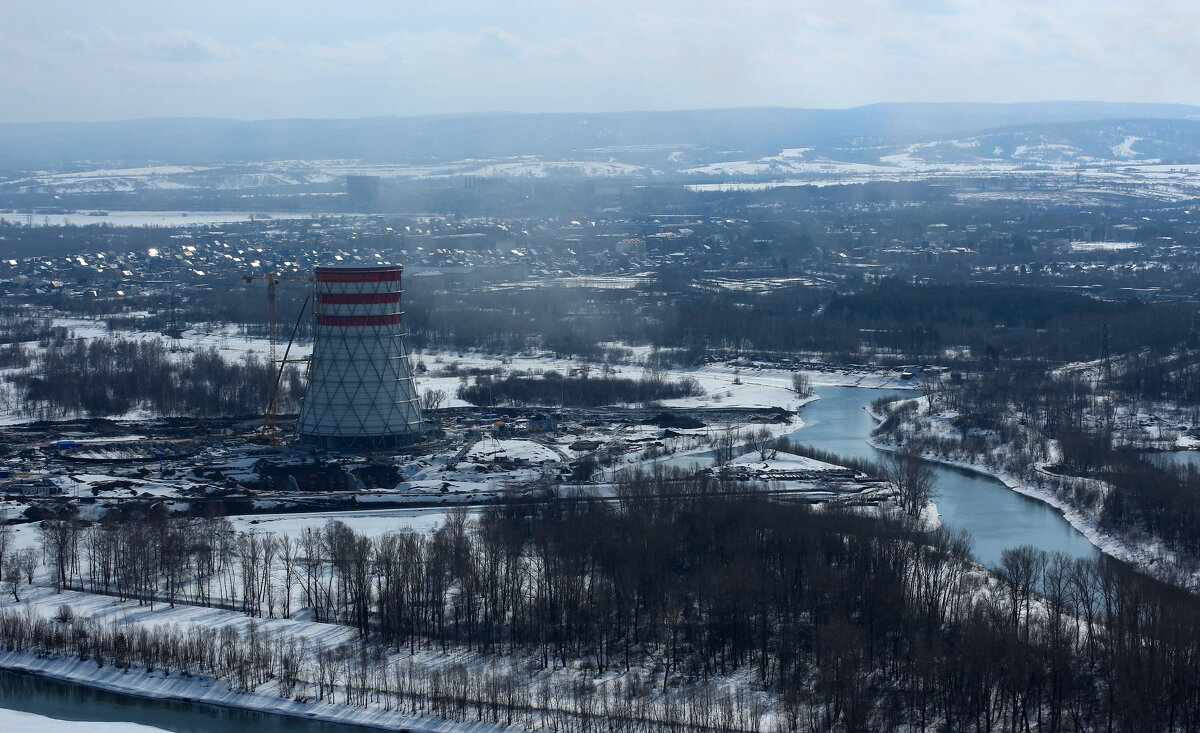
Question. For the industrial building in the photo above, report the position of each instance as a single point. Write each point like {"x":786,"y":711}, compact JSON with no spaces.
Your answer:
{"x":361,"y":394}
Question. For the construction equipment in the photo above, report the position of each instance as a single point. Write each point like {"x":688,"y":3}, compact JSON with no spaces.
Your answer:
{"x":268,"y":433}
{"x":173,"y":330}
{"x":273,"y":279}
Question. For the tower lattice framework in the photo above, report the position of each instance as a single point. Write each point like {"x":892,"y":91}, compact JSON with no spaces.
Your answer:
{"x":361,"y":393}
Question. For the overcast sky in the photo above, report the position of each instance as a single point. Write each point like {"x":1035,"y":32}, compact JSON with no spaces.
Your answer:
{"x":256,"y":59}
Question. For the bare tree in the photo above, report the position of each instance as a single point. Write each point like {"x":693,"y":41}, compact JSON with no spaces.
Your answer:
{"x":432,"y":399}
{"x":764,"y":443}
{"x":931,"y":387}
{"x":288,"y":559}
{"x":27,"y":561}
{"x":6,"y":537}
{"x":12,"y":580}
{"x":914,"y":479}
{"x":724,"y":444}
{"x":59,"y":543}
{"x":801,"y":384}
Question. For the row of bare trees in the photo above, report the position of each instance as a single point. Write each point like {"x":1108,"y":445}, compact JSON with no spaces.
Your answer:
{"x":851,"y":622}
{"x":103,"y":376}
{"x":364,"y":675}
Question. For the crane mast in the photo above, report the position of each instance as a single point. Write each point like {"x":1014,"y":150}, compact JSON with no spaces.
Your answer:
{"x":268,"y":432}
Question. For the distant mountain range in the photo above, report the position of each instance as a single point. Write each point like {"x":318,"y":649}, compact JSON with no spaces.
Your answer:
{"x":1100,"y":150}
{"x":1058,"y":146}
{"x":662,"y":140}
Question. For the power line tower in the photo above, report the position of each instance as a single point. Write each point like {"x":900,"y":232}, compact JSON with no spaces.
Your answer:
{"x":1105,"y":358}
{"x":173,"y":330}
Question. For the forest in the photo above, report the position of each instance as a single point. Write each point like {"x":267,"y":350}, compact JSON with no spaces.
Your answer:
{"x":845,"y":622}
{"x":963,"y":325}
{"x":991,"y":324}
{"x":103,"y":377}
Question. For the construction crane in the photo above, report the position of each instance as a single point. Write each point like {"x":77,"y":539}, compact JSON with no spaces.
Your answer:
{"x":273,"y":279}
{"x":268,"y":427}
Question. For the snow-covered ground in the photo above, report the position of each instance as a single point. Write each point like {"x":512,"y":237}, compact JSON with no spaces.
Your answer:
{"x":783,"y":462}
{"x":16,"y":721}
{"x":44,"y":603}
{"x":226,"y":340}
{"x":1064,"y":181}
{"x":150,"y":218}
{"x":368,"y":522}
{"x":724,"y":385}
{"x":207,"y":690}
{"x":492,"y":449}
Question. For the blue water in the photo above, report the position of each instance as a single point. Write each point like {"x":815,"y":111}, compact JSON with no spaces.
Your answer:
{"x":996,"y":517}
{"x":65,"y":701}
{"x":1174,"y":457}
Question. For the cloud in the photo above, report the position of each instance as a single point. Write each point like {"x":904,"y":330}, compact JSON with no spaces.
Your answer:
{"x":276,"y":58}
{"x":187,"y":47}
{"x":497,"y":43}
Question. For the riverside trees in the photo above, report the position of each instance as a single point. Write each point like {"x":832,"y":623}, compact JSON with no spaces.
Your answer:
{"x":914,"y":480}
{"x":846,"y":622}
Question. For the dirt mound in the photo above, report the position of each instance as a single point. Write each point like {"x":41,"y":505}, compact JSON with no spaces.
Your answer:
{"x":672,"y":420}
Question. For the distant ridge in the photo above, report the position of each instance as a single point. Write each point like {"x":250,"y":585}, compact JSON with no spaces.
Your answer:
{"x":753,"y":131}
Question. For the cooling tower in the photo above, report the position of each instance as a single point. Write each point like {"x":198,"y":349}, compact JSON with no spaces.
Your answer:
{"x":361,"y":392}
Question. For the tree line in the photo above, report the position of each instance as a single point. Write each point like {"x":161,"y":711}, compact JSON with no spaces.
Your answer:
{"x":104,"y":376}
{"x":988,"y":325}
{"x":848,"y":622}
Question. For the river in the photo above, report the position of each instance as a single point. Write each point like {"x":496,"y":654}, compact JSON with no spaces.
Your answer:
{"x":996,"y":517}
{"x":64,"y":701}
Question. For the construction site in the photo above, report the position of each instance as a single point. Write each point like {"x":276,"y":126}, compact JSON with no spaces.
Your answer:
{"x":366,"y":436}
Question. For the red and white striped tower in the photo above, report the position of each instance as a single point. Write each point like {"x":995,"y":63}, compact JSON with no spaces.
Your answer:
{"x":361,"y":393}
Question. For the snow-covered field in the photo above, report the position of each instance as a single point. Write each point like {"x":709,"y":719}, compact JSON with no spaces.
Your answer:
{"x":783,"y":462}
{"x":527,"y":450}
{"x":231,"y":345}
{"x":150,"y":218}
{"x":724,"y":385}
{"x":368,"y":522}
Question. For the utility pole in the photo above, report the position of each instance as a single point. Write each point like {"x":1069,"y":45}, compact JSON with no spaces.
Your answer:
{"x":1106,"y":361}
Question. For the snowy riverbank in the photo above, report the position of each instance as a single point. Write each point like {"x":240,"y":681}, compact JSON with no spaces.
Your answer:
{"x":1148,"y":555}
{"x":209,"y":691}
